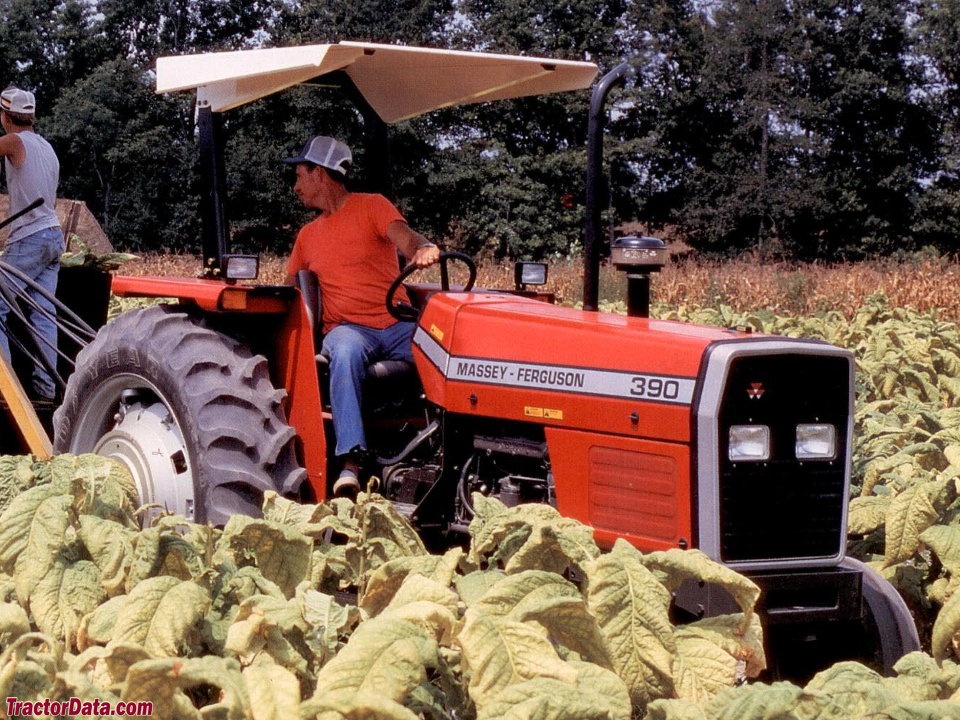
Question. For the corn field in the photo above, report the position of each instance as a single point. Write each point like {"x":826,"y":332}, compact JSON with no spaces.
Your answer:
{"x":921,"y":283}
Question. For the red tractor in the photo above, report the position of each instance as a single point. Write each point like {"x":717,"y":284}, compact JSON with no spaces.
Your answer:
{"x":667,"y":434}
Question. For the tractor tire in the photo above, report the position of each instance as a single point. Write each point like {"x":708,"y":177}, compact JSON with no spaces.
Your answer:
{"x":889,"y":626}
{"x":192,"y":414}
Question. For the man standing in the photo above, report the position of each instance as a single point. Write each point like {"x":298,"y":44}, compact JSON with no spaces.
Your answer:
{"x":351,"y":247}
{"x":36,"y":240}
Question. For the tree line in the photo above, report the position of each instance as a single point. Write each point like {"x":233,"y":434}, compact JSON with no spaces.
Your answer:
{"x":792,"y":128}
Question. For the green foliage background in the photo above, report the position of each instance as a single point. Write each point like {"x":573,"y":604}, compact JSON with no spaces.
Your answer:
{"x":804,"y":128}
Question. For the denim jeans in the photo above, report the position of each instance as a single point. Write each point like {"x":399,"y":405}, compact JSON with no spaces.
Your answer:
{"x":38,"y":257}
{"x":351,"y":348}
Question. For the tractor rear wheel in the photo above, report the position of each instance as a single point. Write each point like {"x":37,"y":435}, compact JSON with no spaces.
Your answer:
{"x":192,"y":413}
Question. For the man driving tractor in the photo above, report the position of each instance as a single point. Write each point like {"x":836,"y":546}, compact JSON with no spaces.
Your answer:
{"x":351,"y":247}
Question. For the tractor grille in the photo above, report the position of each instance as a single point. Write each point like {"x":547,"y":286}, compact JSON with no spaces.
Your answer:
{"x":783,"y":508}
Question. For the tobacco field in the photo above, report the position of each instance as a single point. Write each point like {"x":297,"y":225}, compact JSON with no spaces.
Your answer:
{"x":531,"y":620}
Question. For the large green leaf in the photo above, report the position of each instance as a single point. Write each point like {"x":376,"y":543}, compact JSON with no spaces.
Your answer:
{"x":759,"y":701}
{"x":326,"y":620}
{"x":34,"y":527}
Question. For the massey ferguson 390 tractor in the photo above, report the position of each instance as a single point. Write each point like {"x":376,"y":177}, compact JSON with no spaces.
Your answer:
{"x":667,"y":434}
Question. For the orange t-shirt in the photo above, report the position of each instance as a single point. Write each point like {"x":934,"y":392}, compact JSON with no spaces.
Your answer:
{"x":354,"y":260}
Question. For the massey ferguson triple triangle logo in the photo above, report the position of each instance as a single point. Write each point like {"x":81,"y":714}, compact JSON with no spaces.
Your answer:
{"x":755,"y":391}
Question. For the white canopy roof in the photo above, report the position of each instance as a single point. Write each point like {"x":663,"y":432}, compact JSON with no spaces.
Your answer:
{"x":399,"y":82}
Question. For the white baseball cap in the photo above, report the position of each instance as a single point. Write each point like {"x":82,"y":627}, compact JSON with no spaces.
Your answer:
{"x":15,"y":100}
{"x":326,"y":152}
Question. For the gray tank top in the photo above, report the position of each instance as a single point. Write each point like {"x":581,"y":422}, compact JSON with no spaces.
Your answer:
{"x":37,"y":177}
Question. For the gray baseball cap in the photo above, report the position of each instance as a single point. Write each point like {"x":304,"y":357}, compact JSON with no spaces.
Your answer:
{"x":15,"y":100}
{"x":326,"y":152}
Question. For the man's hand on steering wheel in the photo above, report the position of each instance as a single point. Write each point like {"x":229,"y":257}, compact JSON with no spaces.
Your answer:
{"x":425,"y":255}
{"x":404,"y":311}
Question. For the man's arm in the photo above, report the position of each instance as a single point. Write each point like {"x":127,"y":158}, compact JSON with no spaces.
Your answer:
{"x":11,"y":146}
{"x":414,"y":246}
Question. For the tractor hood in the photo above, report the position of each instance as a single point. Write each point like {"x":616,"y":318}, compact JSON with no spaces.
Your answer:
{"x":398,"y":82}
{"x":520,"y":359}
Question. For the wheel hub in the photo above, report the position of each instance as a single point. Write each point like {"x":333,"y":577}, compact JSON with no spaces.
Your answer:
{"x":147,"y":440}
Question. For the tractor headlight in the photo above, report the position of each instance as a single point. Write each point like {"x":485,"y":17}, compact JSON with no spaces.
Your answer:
{"x":816,"y":442}
{"x":749,"y":443}
{"x":241,"y":267}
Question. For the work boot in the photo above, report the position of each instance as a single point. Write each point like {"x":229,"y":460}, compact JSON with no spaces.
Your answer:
{"x":348,"y":484}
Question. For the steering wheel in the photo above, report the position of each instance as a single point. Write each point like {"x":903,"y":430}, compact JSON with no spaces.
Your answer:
{"x":405,"y":311}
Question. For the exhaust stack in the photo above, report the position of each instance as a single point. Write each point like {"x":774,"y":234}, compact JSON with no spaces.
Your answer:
{"x":638,"y":257}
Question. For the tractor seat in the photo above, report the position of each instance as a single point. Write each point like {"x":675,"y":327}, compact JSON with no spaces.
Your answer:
{"x":382,"y":375}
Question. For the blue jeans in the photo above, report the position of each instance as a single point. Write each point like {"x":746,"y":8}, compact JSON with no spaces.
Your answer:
{"x":351,"y":348}
{"x":38,"y":257}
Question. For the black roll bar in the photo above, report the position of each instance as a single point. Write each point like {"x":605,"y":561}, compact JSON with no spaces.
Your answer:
{"x":596,"y":191}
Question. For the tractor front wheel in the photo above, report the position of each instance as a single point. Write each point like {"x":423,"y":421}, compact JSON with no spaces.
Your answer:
{"x":192,"y":414}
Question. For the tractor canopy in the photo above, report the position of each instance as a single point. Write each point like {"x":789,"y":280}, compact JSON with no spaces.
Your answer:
{"x":387,"y":83}
{"x":398,"y":82}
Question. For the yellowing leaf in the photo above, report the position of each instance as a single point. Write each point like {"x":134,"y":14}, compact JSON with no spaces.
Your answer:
{"x":273,"y":691}
{"x":946,"y":627}
{"x":944,"y":540}
{"x":911,"y":512}
{"x":867,"y":513}
{"x":13,"y":622}
{"x":552,"y":601}
{"x":386,"y":580}
{"x":675,"y":566}
{"x":159,"y":614}
{"x":702,"y":669}
{"x":549,"y":699}
{"x":631,"y":608}
{"x":110,"y":546}
{"x":498,"y":653}
{"x":675,"y":710}
{"x":67,"y":593}
{"x":109,"y":664}
{"x":162,"y":682}
{"x":280,"y":553}
{"x":384,"y":656}
{"x":355,"y":705}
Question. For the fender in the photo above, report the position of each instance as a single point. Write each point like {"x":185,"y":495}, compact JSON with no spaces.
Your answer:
{"x":289,"y":330}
